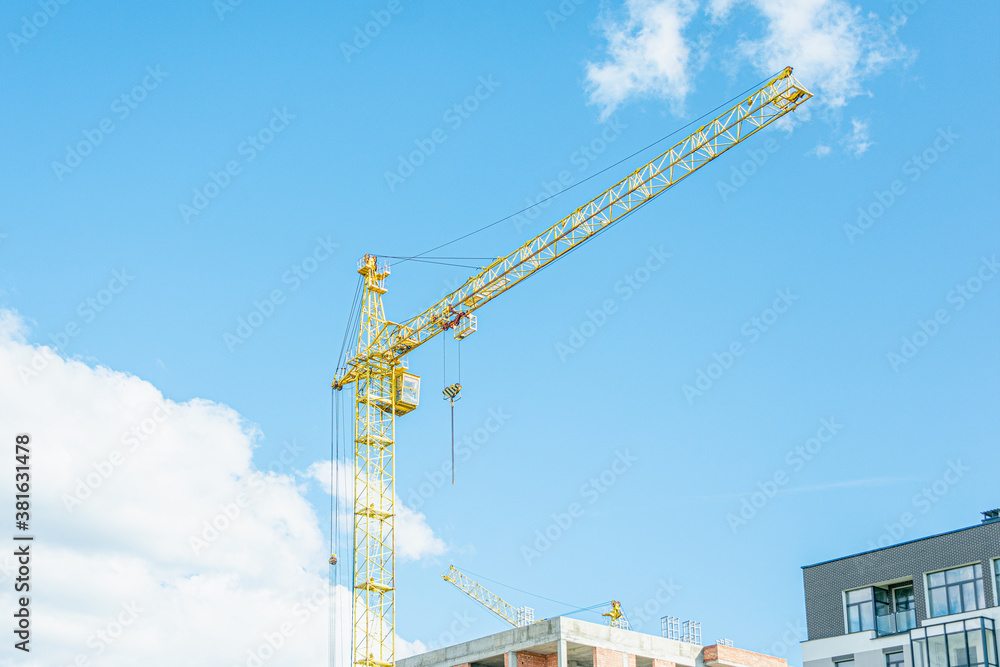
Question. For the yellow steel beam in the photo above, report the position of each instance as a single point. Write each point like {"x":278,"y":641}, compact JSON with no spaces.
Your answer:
{"x":776,"y":98}
{"x":482,"y":595}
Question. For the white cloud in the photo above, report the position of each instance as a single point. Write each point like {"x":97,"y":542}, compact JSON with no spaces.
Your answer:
{"x":835,"y":47}
{"x":126,"y":486}
{"x":858,"y":140}
{"x":647,"y":55}
{"x":821,"y":150}
{"x":414,"y":537}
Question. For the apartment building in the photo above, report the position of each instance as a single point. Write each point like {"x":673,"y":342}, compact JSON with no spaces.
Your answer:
{"x":930,"y":602}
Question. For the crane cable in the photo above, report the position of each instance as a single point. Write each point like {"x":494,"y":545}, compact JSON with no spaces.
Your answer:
{"x":594,"y":175}
{"x":334,"y":524}
{"x":352,"y":316}
{"x":440,"y":260}
{"x":338,"y":528}
{"x":574,"y":608}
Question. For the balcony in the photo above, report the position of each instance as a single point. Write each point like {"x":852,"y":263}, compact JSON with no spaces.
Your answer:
{"x":895,"y":623}
{"x":966,"y":643}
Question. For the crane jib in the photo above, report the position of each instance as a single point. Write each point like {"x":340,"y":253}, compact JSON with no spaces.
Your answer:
{"x":778,"y":97}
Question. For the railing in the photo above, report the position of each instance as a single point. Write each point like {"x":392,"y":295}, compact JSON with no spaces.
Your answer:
{"x":892,"y":624}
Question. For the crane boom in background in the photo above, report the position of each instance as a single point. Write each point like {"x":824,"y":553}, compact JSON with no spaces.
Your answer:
{"x":516,"y":616}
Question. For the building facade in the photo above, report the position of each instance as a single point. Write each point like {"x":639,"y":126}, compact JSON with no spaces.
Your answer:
{"x":931,"y":602}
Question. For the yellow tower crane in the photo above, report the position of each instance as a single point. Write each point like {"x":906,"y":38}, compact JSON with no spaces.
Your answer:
{"x":516,"y":616}
{"x":384,"y":389}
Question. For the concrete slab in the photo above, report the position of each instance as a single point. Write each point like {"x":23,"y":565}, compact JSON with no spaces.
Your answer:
{"x":543,"y":637}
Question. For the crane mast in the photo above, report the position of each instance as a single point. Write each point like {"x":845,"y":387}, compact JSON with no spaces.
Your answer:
{"x":383,"y":389}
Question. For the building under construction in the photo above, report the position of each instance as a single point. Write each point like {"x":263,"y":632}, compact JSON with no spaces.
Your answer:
{"x":568,"y":642}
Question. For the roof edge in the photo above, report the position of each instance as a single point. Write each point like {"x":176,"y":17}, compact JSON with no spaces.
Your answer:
{"x":900,"y":544}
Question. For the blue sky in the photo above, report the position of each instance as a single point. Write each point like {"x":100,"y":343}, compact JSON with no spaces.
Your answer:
{"x":180,"y":166}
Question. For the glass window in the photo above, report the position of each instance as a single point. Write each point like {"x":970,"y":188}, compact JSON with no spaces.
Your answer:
{"x":969,"y":643}
{"x":860,"y":611}
{"x":904,"y":598}
{"x":905,"y":608}
{"x":884,"y":623}
{"x":844,"y":663}
{"x":996,"y":582}
{"x":957,"y":590}
{"x":919,"y":648}
{"x":938,"y":651}
{"x":957,"y":649}
{"x":977,"y":656}
{"x":894,"y":659}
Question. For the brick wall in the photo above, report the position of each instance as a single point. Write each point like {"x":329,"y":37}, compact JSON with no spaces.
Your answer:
{"x":738,"y":656}
{"x":607,"y":658}
{"x":528,"y":659}
{"x":663,"y":663}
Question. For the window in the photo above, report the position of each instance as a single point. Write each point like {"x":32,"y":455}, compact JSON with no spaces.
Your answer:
{"x":996,"y":582}
{"x":888,"y":611}
{"x":894,"y":659}
{"x":955,"y":591}
{"x":905,"y":608}
{"x":860,"y":613}
{"x":844,"y":663}
{"x":969,"y":643}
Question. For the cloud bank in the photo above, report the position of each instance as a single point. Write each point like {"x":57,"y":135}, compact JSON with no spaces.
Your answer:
{"x":158,"y":540}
